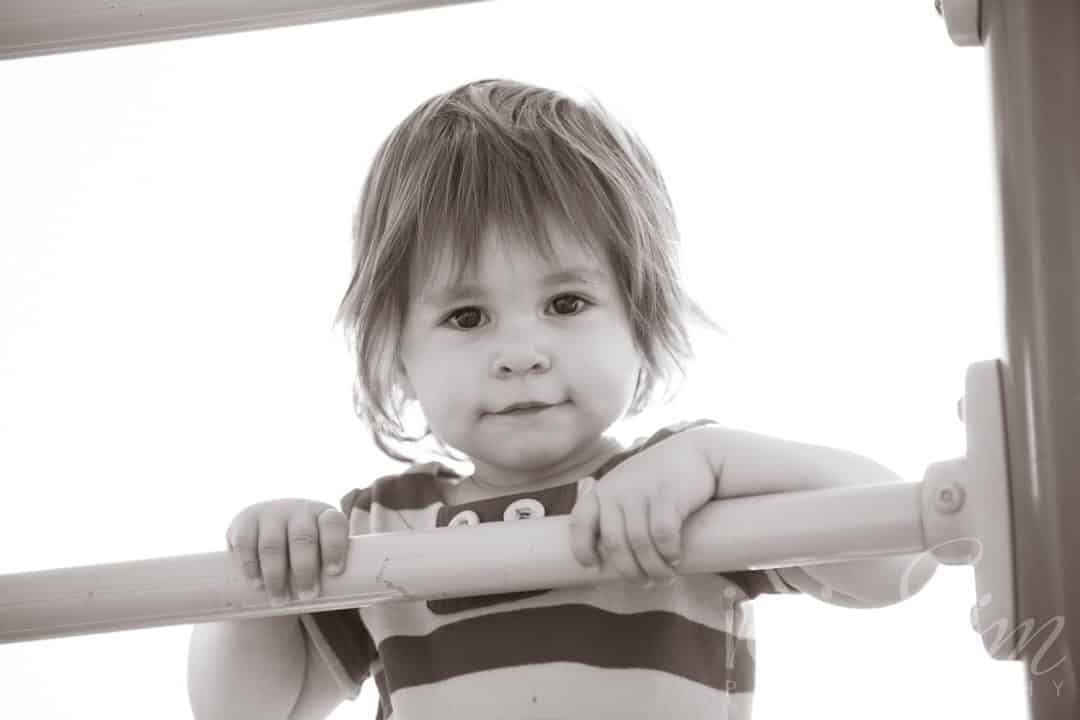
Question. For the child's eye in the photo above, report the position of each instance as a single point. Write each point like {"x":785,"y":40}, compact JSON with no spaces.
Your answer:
{"x":566,"y":303}
{"x":573,"y":300}
{"x":466,"y":311}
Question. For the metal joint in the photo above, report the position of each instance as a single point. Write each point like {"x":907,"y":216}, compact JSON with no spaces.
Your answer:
{"x":962,"y":19}
{"x":967,"y":518}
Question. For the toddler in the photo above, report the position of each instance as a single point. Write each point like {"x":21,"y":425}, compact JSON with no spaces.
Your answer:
{"x":516,"y":282}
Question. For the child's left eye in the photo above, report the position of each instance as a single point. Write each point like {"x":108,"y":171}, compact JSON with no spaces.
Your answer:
{"x":572,"y":298}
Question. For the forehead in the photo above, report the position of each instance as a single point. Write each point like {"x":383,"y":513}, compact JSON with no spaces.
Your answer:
{"x":563,"y":256}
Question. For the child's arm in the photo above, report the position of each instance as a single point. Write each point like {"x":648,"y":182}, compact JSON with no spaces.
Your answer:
{"x":749,"y":464}
{"x":639,"y":508}
{"x":320,"y":693}
{"x":246,"y":668}
{"x":266,"y":668}
{"x":270,"y":668}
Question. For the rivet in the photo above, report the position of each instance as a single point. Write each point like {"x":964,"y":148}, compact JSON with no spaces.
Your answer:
{"x":950,"y":498}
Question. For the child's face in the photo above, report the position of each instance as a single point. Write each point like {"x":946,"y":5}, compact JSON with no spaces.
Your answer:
{"x":517,"y":338}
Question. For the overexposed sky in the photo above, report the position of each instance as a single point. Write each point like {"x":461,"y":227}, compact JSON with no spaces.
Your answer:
{"x":175,"y":240}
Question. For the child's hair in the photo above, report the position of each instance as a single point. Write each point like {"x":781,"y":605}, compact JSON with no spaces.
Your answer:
{"x":502,"y":153}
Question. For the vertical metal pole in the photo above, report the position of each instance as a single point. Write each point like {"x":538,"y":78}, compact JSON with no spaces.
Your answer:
{"x":1034,"y":60}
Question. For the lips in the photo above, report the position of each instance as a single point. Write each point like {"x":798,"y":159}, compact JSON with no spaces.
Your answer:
{"x":523,"y":406}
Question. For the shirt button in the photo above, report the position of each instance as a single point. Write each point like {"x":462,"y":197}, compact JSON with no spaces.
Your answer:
{"x":465,"y":517}
{"x":523,"y":509}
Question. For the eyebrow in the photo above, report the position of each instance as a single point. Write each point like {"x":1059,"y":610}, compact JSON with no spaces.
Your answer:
{"x":580,"y":274}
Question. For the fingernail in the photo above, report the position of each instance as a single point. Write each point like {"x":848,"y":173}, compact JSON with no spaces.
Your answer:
{"x":256,"y":583}
{"x":675,"y":562}
{"x":648,"y":584}
{"x":307,"y":595}
{"x":669,"y":581}
{"x":334,"y":568}
{"x":278,"y":600}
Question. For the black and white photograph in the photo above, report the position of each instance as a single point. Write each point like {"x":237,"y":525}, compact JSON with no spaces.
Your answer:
{"x":539,"y":359}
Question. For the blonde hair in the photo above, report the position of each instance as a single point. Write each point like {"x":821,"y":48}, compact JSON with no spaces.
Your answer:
{"x":501,"y":153}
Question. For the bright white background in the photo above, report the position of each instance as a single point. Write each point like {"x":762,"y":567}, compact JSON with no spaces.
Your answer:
{"x":175,"y":240}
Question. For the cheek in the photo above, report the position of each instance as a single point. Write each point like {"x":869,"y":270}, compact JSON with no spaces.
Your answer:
{"x":429,"y":365}
{"x":442,"y":387}
{"x":607,"y":359}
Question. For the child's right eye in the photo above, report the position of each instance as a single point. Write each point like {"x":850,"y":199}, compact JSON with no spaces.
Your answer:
{"x":462,"y":311}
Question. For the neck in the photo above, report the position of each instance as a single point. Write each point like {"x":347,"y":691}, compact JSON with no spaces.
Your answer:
{"x":574,"y":467}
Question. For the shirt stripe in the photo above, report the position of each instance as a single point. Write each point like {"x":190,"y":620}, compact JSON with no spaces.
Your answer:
{"x":660,"y":641}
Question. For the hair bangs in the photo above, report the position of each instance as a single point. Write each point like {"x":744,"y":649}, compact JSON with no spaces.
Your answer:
{"x":476,"y":185}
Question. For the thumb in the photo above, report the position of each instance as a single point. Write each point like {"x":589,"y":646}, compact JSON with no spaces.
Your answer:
{"x":585,"y":527}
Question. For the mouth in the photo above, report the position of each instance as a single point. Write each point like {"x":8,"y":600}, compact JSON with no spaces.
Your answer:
{"x":525,"y":408}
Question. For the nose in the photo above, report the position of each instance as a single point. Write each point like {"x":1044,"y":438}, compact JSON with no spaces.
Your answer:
{"x":522,"y":358}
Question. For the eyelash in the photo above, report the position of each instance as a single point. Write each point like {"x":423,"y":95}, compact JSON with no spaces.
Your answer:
{"x":460,"y":310}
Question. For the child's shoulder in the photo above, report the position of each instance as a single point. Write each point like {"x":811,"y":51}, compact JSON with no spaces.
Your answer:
{"x":415,"y":487}
{"x":646,"y":441}
{"x":669,"y":430}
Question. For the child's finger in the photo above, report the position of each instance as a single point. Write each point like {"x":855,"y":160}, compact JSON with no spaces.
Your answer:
{"x":274,"y":557}
{"x":333,"y":540}
{"x":584,"y":527}
{"x":665,"y":528}
{"x":614,"y":548}
{"x":304,"y":554}
{"x":243,"y":539}
{"x":639,"y":537}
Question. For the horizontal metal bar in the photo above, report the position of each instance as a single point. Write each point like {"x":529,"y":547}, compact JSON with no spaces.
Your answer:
{"x":41,"y":27}
{"x":745,"y":533}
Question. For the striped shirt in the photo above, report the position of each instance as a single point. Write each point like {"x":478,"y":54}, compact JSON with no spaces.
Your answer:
{"x":614,"y":650}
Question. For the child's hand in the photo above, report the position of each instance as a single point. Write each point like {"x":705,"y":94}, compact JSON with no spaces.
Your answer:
{"x":269,"y":537}
{"x":639,"y":507}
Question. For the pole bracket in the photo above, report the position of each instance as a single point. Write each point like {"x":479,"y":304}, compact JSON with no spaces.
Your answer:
{"x":961,"y":20}
{"x":967,"y":513}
